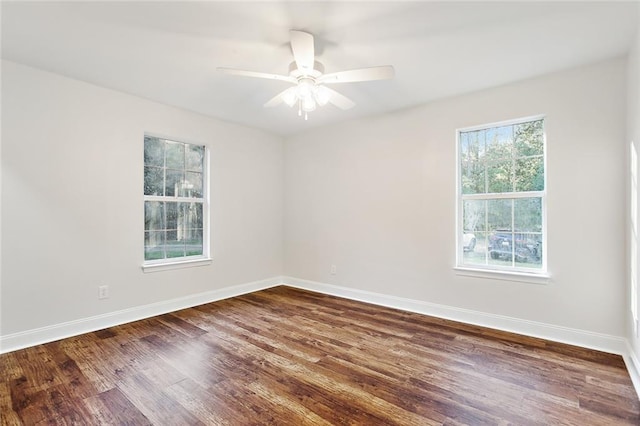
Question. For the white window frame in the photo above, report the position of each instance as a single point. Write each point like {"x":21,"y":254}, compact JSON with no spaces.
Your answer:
{"x":515,"y":273}
{"x":185,"y":261}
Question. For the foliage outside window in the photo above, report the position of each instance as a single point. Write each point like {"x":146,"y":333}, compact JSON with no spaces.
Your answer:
{"x":501,"y":197}
{"x":174,"y":201}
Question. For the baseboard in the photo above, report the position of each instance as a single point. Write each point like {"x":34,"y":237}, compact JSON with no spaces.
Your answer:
{"x":633,"y":367}
{"x":12,"y":342}
{"x":586,"y":339}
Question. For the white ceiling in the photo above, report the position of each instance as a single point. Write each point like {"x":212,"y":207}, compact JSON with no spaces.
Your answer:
{"x":169,"y":51}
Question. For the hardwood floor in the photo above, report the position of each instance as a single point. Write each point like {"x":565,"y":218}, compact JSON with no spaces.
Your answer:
{"x":291,"y":357}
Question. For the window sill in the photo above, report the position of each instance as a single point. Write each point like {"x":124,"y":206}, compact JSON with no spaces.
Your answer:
{"x":181,"y":264}
{"x":516,"y":276}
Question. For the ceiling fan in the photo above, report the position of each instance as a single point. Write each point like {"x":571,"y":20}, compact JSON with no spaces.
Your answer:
{"x":307,"y":75}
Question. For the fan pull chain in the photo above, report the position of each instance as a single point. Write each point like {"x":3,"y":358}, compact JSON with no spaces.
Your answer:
{"x":299,"y":108}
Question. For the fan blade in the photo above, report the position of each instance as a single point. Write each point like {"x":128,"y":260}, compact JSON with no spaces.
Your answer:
{"x":303,"y":51}
{"x":287,"y":96}
{"x":244,"y":73}
{"x":363,"y":74}
{"x":275,"y":101}
{"x":339,"y":100}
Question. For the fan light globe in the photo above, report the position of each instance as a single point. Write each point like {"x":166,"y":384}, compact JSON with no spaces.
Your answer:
{"x":322,"y":95}
{"x":290,"y":96}
{"x":308,"y":104}
{"x":305,"y":89}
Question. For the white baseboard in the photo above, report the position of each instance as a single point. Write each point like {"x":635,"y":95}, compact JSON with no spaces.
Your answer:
{"x":12,"y":342}
{"x":633,"y":367}
{"x":586,"y":339}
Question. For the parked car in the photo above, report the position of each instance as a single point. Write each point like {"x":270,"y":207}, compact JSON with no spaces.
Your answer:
{"x":503,"y":244}
{"x":468,"y":241}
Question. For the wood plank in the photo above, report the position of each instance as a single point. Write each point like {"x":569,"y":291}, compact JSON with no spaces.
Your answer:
{"x":120,"y":409}
{"x":8,"y":416}
{"x":154,"y":403}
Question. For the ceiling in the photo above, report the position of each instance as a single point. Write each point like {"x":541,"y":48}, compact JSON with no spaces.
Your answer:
{"x":168,"y":51}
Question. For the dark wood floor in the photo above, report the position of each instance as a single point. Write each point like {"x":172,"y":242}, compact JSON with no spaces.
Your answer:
{"x":290,"y":357}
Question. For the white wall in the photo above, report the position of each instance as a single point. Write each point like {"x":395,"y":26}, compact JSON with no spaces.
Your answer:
{"x":72,"y":208}
{"x":376,"y":197}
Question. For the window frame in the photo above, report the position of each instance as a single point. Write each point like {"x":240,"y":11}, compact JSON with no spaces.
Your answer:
{"x":183,"y":261}
{"x":515,"y":273}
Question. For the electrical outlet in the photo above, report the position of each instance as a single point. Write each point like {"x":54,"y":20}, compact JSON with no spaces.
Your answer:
{"x":103,"y":292}
{"x":334,"y":269}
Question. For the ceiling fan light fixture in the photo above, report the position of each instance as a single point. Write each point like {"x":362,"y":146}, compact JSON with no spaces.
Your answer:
{"x":322,"y":95}
{"x":308,"y":104}
{"x":290,"y":96}
{"x":307,"y":75}
{"x":305,"y":88}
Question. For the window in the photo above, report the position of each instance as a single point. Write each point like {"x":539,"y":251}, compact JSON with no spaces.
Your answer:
{"x":175,"y":201}
{"x":501,"y":197}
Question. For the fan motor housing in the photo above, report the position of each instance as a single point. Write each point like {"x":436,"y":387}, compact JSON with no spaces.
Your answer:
{"x":318,"y":70}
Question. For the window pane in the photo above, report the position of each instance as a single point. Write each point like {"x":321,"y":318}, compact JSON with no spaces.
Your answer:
{"x":153,"y":152}
{"x":474,"y":248}
{"x":528,"y":249}
{"x":174,"y":183}
{"x":474,"y":237}
{"x":195,"y":158}
{"x":464,"y":146}
{"x":474,"y":215}
{"x":529,"y":138}
{"x":153,"y":216}
{"x":499,"y":245}
{"x":175,"y":155}
{"x":528,"y":235}
{"x":198,"y":221}
{"x":193,"y":185}
{"x":472,"y":145}
{"x":472,"y":178}
{"x":500,"y":177}
{"x":499,"y":143}
{"x":154,"y":245}
{"x":530,"y":174}
{"x":153,"y":181}
{"x":469,"y":146}
{"x":499,"y":214}
{"x":193,"y":245}
{"x":172,"y":215}
{"x":174,"y":244}
{"x":528,"y":214}
{"x":477,"y":141}
{"x":502,"y":135}
{"x":190,"y":216}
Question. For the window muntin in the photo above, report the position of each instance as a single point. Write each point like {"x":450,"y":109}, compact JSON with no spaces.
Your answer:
{"x":175,"y":207}
{"x":501,"y":197}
